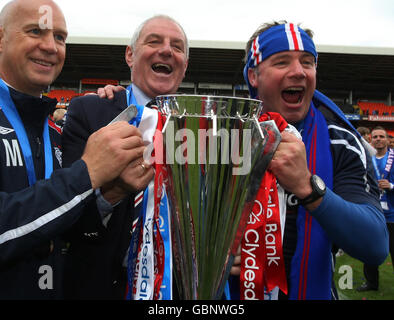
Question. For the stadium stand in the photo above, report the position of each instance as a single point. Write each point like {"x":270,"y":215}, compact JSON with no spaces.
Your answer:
{"x":100,"y":81}
{"x":376,"y":108}
{"x":64,"y":96}
{"x":346,"y":74}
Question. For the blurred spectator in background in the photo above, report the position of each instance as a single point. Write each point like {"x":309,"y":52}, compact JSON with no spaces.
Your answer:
{"x":391,"y":141}
{"x":383,"y":165}
{"x":365,"y":133}
{"x":59,"y":116}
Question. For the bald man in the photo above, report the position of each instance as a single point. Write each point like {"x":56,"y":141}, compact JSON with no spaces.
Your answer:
{"x":38,"y":200}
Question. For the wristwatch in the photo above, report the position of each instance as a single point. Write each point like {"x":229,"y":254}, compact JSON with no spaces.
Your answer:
{"x":318,"y":190}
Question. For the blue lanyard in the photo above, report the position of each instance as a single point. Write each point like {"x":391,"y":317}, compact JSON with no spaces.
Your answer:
{"x":12,"y":115}
{"x":130,"y":96}
{"x":166,"y":288}
{"x":378,"y":173}
{"x":132,"y":100}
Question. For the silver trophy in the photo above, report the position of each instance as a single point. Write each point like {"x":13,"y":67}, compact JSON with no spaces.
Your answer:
{"x":216,"y":153}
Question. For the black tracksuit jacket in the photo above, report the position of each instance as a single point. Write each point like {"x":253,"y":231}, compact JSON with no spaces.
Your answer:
{"x":32,"y":219}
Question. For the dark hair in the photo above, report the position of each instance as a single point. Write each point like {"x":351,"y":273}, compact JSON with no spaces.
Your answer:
{"x":378,"y":128}
{"x":363,"y":130}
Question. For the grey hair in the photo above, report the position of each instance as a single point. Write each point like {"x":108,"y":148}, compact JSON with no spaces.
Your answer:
{"x":137,"y":32}
{"x":5,"y":12}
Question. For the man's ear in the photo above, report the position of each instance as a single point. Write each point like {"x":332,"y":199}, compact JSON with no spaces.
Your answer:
{"x":184,"y":71}
{"x":1,"y":38}
{"x":129,"y":56}
{"x":252,"y":75}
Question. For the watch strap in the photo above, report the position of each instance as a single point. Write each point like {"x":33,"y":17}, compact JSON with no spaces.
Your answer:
{"x":309,"y":199}
{"x":315,"y":194}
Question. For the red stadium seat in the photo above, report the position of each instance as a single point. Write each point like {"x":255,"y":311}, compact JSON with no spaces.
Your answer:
{"x":62,"y":96}
{"x":375,"y":108}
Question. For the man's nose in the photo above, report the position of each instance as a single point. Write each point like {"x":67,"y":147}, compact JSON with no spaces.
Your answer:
{"x":297,"y":70}
{"x":166,"y":48}
{"x":48,"y":42}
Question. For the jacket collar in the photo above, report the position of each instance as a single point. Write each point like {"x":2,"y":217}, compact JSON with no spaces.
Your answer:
{"x":30,"y":108}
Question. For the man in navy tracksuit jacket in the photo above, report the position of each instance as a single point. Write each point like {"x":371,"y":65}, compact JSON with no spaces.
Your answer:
{"x":31,"y":218}
{"x":37,"y":201}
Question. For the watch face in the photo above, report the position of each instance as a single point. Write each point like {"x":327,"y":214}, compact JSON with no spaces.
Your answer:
{"x":319,"y":183}
{"x":318,"y":190}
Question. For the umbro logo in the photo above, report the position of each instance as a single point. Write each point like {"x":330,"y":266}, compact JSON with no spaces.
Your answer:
{"x":5,"y":131}
{"x":91,"y":234}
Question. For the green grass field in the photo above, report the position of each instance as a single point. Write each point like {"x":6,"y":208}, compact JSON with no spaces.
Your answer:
{"x":386,"y":280}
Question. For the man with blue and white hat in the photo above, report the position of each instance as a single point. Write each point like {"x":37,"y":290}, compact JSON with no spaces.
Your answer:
{"x":332,"y":197}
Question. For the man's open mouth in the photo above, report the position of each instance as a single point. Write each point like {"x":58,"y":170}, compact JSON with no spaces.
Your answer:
{"x":293,"y":94}
{"x":162,"y":68}
{"x":43,"y":63}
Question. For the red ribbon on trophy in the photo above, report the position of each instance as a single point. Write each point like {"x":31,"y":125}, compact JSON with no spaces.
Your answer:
{"x":262,"y":263}
{"x":158,"y":191}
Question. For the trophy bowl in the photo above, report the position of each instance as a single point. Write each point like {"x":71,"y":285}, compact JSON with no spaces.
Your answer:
{"x":216,"y":153}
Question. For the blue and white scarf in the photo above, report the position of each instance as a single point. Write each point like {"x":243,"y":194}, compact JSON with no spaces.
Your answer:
{"x":141,"y":268}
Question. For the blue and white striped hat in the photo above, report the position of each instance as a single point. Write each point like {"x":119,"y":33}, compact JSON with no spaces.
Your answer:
{"x":283,"y":37}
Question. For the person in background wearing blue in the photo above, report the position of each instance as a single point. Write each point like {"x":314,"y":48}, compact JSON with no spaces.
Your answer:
{"x":384,"y":171}
{"x":333,"y":198}
{"x":391,"y":139}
